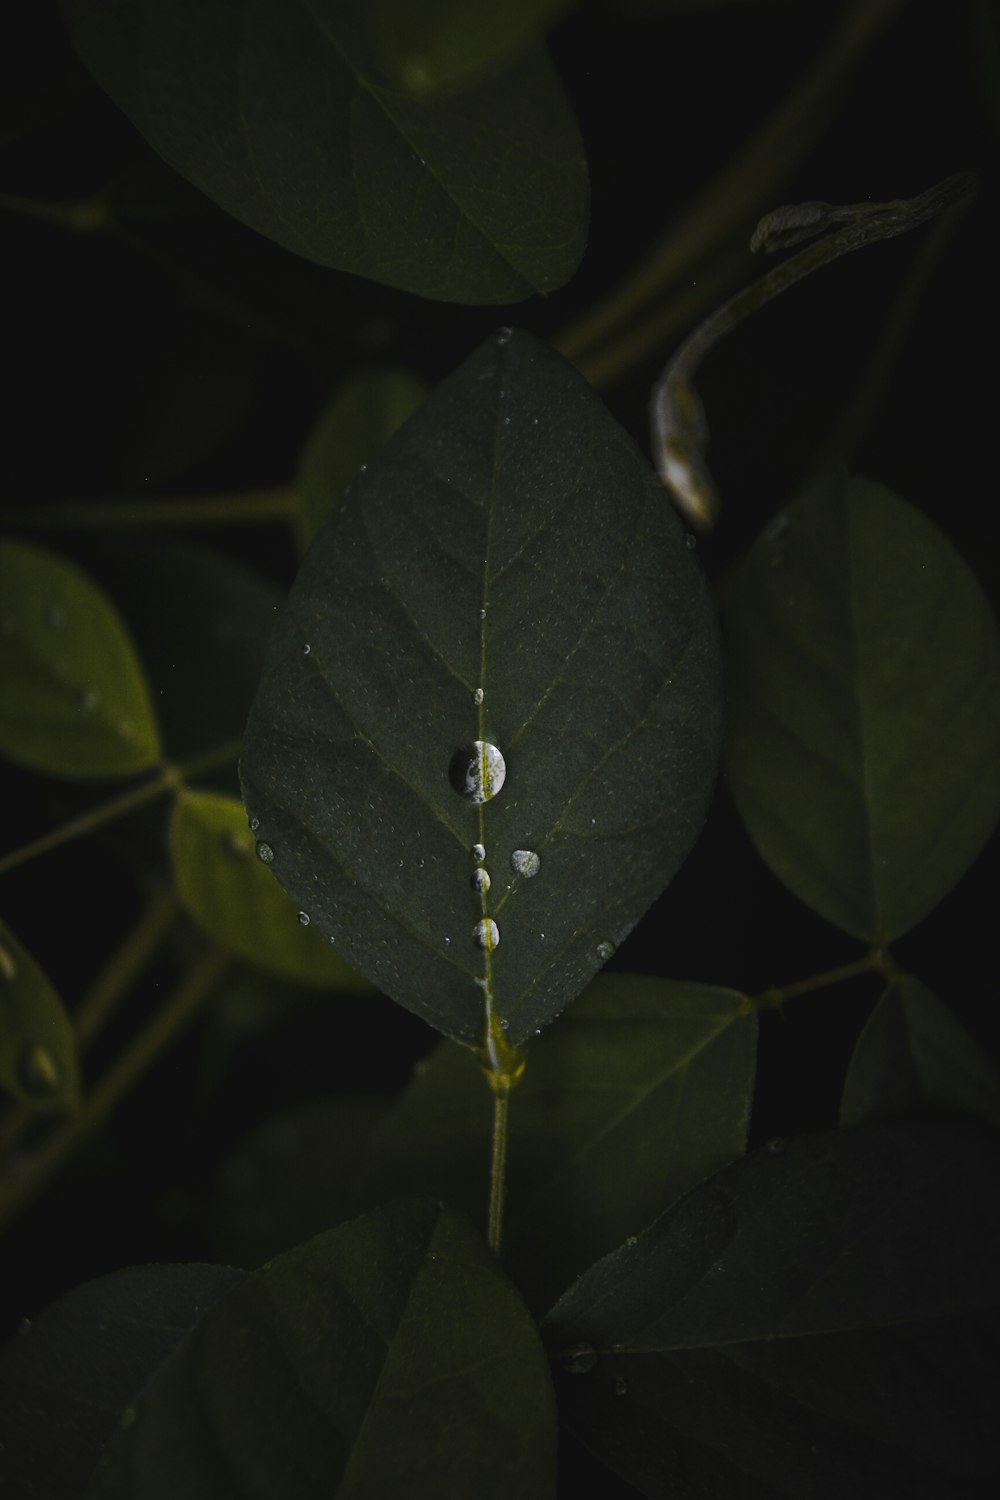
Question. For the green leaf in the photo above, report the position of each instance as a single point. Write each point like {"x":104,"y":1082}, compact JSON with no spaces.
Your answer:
{"x":389,"y":1357}
{"x":817,"y":1321}
{"x":281,"y":114}
{"x":38,"y":1062}
{"x":362,"y":412}
{"x":434,"y":48}
{"x":301,"y":1172}
{"x":864,"y":709}
{"x":73,"y":701}
{"x":913,"y":1052}
{"x":639,"y":1092}
{"x":67,"y":1378}
{"x":511,"y":545}
{"x":231,"y":897}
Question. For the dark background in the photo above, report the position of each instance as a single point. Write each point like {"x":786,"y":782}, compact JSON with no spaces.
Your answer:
{"x":193,"y":356}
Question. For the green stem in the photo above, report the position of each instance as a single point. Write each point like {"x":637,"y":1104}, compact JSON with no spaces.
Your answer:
{"x":877,"y":961}
{"x":249,"y":507}
{"x":498,"y":1169}
{"x":751,"y":180}
{"x":169,"y":778}
{"x":27,"y":1178}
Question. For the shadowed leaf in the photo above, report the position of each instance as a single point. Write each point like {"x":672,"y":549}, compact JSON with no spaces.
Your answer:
{"x":38,"y":1062}
{"x":434,"y":48}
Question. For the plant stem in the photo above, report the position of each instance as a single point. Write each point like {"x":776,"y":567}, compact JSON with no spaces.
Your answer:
{"x":169,"y":778}
{"x":27,"y":1178}
{"x":498,"y":1170}
{"x":877,"y":961}
{"x":248,"y":507}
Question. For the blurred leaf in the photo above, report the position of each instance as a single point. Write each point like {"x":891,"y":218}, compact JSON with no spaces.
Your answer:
{"x":505,"y":572}
{"x":281,"y":114}
{"x":201,"y":622}
{"x":363,"y":411}
{"x":301,"y":1172}
{"x":231,"y":897}
{"x":389,"y":1357}
{"x":435,"y":48}
{"x":38,"y":1062}
{"x":914,"y":1052}
{"x":66,"y":1380}
{"x":864,"y":707}
{"x":638,"y":1092}
{"x":73,"y":701}
{"x":818,"y":1321}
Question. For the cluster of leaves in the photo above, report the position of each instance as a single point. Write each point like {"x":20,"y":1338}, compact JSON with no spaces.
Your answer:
{"x":495,"y":562}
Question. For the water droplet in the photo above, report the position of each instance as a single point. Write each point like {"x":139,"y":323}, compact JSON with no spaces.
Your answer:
{"x":690,"y":541}
{"x":525,"y":862}
{"x":265,"y":853}
{"x":254,"y":824}
{"x":304,"y":918}
{"x":477,"y":771}
{"x":478,"y":696}
{"x":482,"y":613}
{"x":506,"y":421}
{"x":621,"y":1385}
{"x":578,"y":1359}
{"x":605,"y":951}
{"x":363,"y":469}
{"x":502,"y":395}
{"x":89,"y":699}
{"x":632,"y":1239}
{"x":486,"y":934}
{"x":479,"y":852}
{"x":306,"y":649}
{"x":480,"y":880}
{"x":8,"y":968}
{"x":37,"y":1072}
{"x":504,"y":335}
{"x":55,"y":616}
{"x":534,"y":421}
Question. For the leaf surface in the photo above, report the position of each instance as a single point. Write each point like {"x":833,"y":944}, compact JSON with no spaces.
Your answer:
{"x":68,"y":1377}
{"x":434,"y":48}
{"x":863,"y":721}
{"x":38,"y":1061}
{"x":819,"y":1321}
{"x":282,"y":114}
{"x":226,"y":889}
{"x":913,"y":1052}
{"x":505,"y":573}
{"x":387,"y":1357}
{"x":73,"y":699}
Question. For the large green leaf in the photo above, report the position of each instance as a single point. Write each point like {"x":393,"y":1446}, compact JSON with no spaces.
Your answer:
{"x":639,"y":1092}
{"x":912,"y":1053}
{"x":864,"y":711}
{"x":817,"y":1321}
{"x":73,"y":701}
{"x":225,"y":888}
{"x":362,"y":412}
{"x":505,"y":573}
{"x":69,"y":1376}
{"x":434,"y":48}
{"x":281,"y":113}
{"x":388,"y":1357}
{"x":38,"y":1062}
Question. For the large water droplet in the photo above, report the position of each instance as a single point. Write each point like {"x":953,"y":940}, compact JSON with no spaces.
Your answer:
{"x":37,"y":1072}
{"x":477,"y":771}
{"x":265,"y":853}
{"x":525,"y":862}
{"x":486,"y":934}
{"x":605,"y":951}
{"x":479,"y":852}
{"x":578,"y":1359}
{"x":480,"y":880}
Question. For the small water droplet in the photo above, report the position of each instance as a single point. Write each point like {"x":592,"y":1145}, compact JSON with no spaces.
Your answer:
{"x":254,"y":824}
{"x":605,"y":951}
{"x":534,"y":421}
{"x":477,"y":771}
{"x":89,"y":699}
{"x":265,"y":853}
{"x":306,"y":649}
{"x":480,"y":880}
{"x":632,"y":1239}
{"x":504,"y":335}
{"x":525,"y":862}
{"x":486,"y":934}
{"x":690,"y":541}
{"x":621,"y":1385}
{"x":37,"y":1072}
{"x":363,"y":469}
{"x":480,"y":982}
{"x":482,"y":613}
{"x":8,"y":968}
{"x":578,"y":1359}
{"x":506,"y":421}
{"x":478,"y":696}
{"x":502,"y":395}
{"x":304,"y":918}
{"x":479,"y":852}
{"x":55,"y":616}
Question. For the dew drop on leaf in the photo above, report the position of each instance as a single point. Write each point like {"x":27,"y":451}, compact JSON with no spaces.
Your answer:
{"x":254,"y":824}
{"x":480,"y":880}
{"x":525,"y":862}
{"x":479,"y":852}
{"x":486,"y":934}
{"x":477,"y":771}
{"x":478,"y":696}
{"x":578,"y":1359}
{"x":306,"y":649}
{"x":605,"y":951}
{"x":304,"y":918}
{"x":265,"y":853}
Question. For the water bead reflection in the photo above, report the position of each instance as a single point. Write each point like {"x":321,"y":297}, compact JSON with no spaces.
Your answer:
{"x":477,"y":771}
{"x":486,"y":934}
{"x":525,"y":862}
